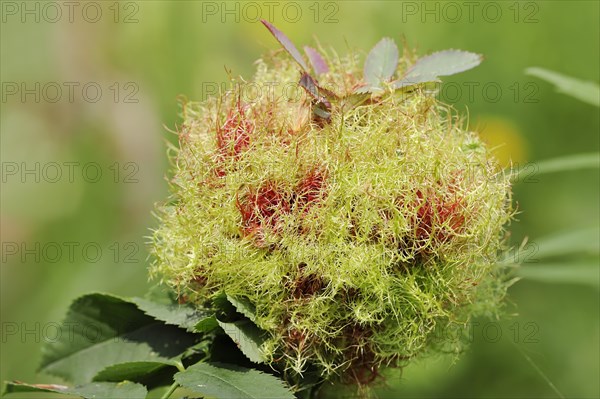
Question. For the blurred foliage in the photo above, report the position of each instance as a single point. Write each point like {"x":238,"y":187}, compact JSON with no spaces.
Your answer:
{"x":178,"y":48}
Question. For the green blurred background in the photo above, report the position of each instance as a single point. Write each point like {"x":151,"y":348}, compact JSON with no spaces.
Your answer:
{"x":145,"y":54}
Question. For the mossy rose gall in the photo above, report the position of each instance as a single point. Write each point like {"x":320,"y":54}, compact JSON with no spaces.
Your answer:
{"x":358,"y":221}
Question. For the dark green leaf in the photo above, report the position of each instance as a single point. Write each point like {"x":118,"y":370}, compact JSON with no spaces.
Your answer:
{"x":224,"y":350}
{"x":132,"y":371}
{"x":224,"y":308}
{"x":184,"y":316}
{"x":442,"y":63}
{"x":206,"y":325}
{"x":244,"y":306}
{"x":381,"y":63}
{"x":585,"y":91}
{"x":102,"y":330}
{"x":286,"y":43}
{"x":97,"y":390}
{"x":247,"y":337}
{"x":228,"y":381}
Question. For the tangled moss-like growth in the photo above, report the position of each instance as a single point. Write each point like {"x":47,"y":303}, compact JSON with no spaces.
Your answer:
{"x":356,"y":238}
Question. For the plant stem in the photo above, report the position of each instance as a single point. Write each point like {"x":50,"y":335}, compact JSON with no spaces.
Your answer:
{"x":179,"y":365}
{"x":172,"y":389}
{"x":175,"y":384}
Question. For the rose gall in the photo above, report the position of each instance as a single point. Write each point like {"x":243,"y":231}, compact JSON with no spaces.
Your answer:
{"x":356,"y":249}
